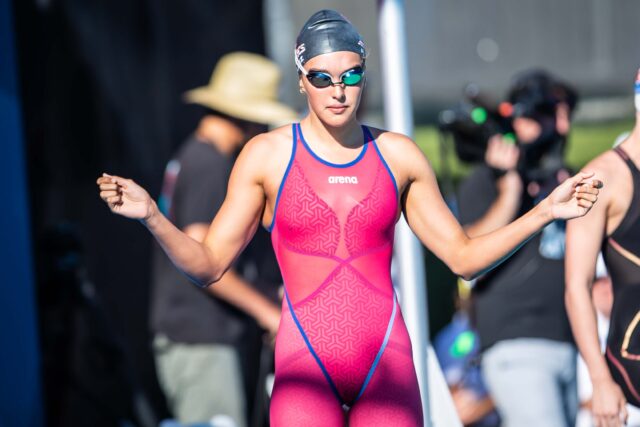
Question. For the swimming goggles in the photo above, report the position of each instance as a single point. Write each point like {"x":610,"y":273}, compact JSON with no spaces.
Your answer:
{"x":321,"y":79}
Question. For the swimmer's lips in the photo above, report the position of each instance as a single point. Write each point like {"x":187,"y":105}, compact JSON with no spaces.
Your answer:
{"x":337,"y":109}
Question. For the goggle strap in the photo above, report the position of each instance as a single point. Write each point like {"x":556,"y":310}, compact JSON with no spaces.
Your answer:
{"x":299,"y":65}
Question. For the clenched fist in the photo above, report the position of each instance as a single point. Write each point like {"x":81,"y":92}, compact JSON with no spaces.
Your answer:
{"x":125,"y":197}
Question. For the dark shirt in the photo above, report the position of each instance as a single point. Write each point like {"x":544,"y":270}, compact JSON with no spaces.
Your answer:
{"x":523,"y":296}
{"x":194,"y":188}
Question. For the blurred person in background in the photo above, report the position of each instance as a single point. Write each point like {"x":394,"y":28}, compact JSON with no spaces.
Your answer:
{"x":528,"y":355}
{"x":331,"y":190}
{"x":458,"y":351}
{"x":202,"y":342}
{"x":615,"y":229}
{"x":602,"y":297}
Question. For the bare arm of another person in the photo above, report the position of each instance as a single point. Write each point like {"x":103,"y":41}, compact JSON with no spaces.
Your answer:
{"x":431,"y":220}
{"x":235,"y":290}
{"x":503,"y":156}
{"x":583,"y":243}
{"x":469,"y":406}
{"x":230,"y":231}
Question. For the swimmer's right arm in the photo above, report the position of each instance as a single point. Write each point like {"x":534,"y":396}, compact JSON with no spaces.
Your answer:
{"x":230,"y":231}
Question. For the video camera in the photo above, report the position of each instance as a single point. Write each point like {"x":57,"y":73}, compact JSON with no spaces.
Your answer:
{"x":472,"y":122}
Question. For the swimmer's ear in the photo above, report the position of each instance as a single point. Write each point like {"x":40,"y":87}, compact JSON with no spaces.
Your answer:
{"x":301,"y":86}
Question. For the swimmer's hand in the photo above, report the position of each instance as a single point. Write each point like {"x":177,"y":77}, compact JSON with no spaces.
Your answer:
{"x":575,"y":196}
{"x":125,"y":197}
{"x":608,"y":404}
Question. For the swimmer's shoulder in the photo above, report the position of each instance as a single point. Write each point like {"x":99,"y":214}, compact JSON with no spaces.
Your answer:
{"x":269,"y":152}
{"x":611,"y":169}
{"x":394,"y":142}
{"x":606,"y":166}
{"x":400,"y":151}
{"x":270,"y":145}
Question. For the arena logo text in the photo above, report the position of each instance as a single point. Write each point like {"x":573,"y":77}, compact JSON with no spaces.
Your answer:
{"x":343,"y":180}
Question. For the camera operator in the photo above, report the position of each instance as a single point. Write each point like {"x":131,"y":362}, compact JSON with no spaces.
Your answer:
{"x":528,"y":354}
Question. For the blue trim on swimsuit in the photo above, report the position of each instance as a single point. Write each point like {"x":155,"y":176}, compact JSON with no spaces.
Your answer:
{"x":379,"y":355}
{"x":368,"y":138}
{"x":311,"y":350}
{"x":284,"y":178}
{"x":374,"y":365}
{"x":325,"y":162}
{"x":384,"y":162}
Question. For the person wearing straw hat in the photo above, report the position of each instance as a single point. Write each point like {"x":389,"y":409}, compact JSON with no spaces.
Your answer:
{"x":202,"y":335}
{"x":245,"y":86}
{"x":330,"y":190}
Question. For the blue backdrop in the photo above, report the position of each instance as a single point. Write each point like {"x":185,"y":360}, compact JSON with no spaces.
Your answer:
{"x":20,"y":400}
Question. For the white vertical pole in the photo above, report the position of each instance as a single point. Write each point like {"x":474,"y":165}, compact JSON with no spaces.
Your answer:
{"x":398,"y":116}
{"x":280,"y":36}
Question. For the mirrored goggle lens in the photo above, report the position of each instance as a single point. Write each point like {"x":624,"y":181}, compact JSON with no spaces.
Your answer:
{"x":349,"y":78}
{"x":352,"y":77}
{"x":319,"y":79}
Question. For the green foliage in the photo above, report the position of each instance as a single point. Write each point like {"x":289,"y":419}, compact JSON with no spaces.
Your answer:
{"x":589,"y":140}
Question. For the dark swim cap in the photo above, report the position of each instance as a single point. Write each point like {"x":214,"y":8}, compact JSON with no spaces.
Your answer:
{"x":327,"y":31}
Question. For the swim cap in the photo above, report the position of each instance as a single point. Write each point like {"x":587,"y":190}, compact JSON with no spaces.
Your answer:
{"x":327,"y":31}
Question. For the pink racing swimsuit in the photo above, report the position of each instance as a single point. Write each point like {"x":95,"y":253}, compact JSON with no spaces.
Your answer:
{"x":342,"y":350}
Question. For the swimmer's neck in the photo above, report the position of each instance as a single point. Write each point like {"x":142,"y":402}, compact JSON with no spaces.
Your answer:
{"x":348,"y":135}
{"x":635,"y":133}
{"x":632,"y":144}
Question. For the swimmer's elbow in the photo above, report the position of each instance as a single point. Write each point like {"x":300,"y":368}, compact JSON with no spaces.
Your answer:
{"x":472,"y":270}
{"x":460,"y":267}
{"x":203,"y":282}
{"x":207,"y":277}
{"x":209,"y":282}
{"x":460,"y":264}
{"x":212,"y":279}
{"x":211,"y":271}
{"x":467,"y":274}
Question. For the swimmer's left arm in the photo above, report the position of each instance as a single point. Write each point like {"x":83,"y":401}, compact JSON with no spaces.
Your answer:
{"x":583,"y":243}
{"x":431,"y":220}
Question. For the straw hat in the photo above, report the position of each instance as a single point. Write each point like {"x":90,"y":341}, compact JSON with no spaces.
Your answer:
{"x":244,"y":85}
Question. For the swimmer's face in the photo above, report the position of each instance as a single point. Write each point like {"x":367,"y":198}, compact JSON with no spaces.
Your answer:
{"x":334,"y":105}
